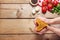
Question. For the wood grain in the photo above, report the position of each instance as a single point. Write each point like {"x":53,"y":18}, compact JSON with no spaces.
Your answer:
{"x":20,"y":37}
{"x":14,"y":1}
{"x":17,"y":26}
{"x":21,"y":29}
{"x":8,"y":13}
{"x":25,"y":11}
{"x":50,"y":37}
{"x":30,"y":37}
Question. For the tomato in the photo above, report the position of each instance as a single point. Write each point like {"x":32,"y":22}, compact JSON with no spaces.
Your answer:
{"x":55,"y":3}
{"x":49,"y":1}
{"x":44,"y":9}
{"x":44,"y":3}
{"x":50,"y":6}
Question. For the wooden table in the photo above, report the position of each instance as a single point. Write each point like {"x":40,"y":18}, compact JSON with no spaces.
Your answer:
{"x":16,"y":19}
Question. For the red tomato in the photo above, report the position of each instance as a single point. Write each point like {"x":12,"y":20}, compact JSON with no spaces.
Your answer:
{"x":50,"y":6}
{"x":44,"y":3}
{"x":55,"y":3}
{"x":49,"y":1}
{"x":44,"y":9}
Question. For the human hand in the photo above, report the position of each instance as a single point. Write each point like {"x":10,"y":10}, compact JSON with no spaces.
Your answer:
{"x":49,"y":21}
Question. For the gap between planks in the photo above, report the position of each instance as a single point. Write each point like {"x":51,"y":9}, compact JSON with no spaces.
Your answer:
{"x":23,"y":33}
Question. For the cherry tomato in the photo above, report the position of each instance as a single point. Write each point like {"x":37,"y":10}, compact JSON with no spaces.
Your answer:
{"x":49,"y":1}
{"x":50,"y":6}
{"x":44,"y":3}
{"x":55,"y":3}
{"x":44,"y":9}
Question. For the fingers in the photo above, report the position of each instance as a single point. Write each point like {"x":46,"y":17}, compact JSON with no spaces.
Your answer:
{"x":49,"y":27}
{"x":41,"y":32}
{"x":34,"y":22}
{"x":55,"y":30}
{"x":41,"y":18}
{"x":52,"y":28}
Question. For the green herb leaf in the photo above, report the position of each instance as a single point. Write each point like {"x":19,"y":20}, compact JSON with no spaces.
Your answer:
{"x":52,"y":11}
{"x":59,"y":12}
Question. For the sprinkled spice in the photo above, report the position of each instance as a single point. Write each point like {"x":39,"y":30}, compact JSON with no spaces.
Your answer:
{"x":34,"y":1}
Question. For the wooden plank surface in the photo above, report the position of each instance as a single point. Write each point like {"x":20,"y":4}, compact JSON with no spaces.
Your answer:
{"x":30,"y":37}
{"x":14,"y":1}
{"x":19,"y":29}
{"x":8,"y":13}
{"x":25,"y":11}
{"x":17,"y":26}
{"x":20,"y":37}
